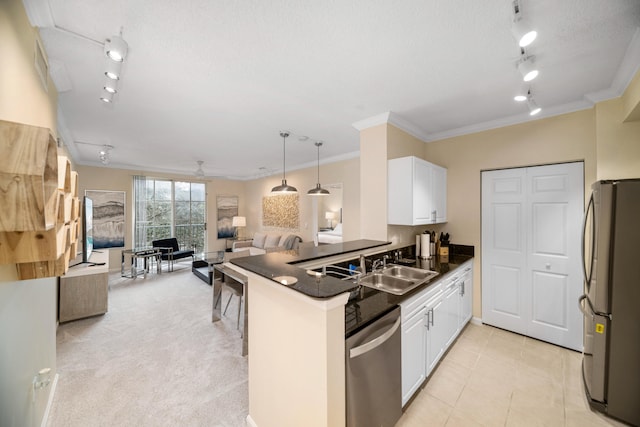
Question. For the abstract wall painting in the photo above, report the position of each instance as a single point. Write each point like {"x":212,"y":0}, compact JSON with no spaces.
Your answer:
{"x":227,"y":208}
{"x":281,"y":211}
{"x":108,"y":218}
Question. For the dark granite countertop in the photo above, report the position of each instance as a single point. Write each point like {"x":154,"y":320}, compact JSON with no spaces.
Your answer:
{"x":276,"y":264}
{"x":372,"y":304}
{"x":368,"y":304}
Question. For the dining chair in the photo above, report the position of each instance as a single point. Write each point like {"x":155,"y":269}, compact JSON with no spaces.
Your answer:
{"x":234,"y":288}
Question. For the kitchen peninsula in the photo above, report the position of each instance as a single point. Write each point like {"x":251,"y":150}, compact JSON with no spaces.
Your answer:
{"x":297,"y":333}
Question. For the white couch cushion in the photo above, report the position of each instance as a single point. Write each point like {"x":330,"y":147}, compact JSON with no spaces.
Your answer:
{"x":258,"y":240}
{"x":272,"y":241}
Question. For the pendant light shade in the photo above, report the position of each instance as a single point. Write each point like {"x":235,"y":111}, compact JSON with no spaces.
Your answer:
{"x":284,"y":187}
{"x":318,"y":190}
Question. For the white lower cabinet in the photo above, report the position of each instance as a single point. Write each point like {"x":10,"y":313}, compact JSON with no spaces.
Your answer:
{"x":431,"y":321}
{"x":414,"y":346}
{"x":466,"y":294}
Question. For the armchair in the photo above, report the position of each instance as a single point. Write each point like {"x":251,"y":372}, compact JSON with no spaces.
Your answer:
{"x":171,"y":251}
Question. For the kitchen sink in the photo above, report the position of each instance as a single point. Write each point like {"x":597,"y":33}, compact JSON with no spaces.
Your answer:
{"x":410,"y":273}
{"x":396,"y":279}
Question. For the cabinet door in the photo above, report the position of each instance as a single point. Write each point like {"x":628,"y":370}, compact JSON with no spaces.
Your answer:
{"x":414,"y":335}
{"x":466,"y":296}
{"x":439,"y":194}
{"x":422,"y":192}
{"x":436,"y":334}
{"x":451,"y":314}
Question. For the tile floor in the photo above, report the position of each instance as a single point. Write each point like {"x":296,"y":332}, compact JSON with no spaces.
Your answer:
{"x":491,"y":377}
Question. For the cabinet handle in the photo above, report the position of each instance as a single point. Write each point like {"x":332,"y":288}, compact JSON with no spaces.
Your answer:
{"x":462,"y":288}
{"x":427,"y":315}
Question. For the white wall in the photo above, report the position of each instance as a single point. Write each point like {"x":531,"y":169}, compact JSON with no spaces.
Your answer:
{"x":28,"y":307}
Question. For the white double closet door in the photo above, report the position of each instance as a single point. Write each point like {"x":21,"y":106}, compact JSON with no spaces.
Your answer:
{"x":531,"y":254}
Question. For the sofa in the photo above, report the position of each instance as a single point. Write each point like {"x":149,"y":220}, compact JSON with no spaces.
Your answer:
{"x":171,"y":251}
{"x":267,"y":242}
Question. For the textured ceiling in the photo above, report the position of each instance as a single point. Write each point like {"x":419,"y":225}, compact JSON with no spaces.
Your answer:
{"x":217,"y":80}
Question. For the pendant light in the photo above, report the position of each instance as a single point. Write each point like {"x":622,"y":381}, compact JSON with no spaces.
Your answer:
{"x":318,"y":191}
{"x":284,"y":188}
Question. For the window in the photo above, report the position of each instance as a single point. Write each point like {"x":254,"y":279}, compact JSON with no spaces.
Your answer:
{"x":167,"y":208}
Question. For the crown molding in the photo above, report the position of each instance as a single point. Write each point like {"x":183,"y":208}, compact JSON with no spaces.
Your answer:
{"x":394,"y":119}
{"x":370,"y":122}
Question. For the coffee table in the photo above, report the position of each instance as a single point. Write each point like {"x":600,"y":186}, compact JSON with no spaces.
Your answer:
{"x":203,"y":263}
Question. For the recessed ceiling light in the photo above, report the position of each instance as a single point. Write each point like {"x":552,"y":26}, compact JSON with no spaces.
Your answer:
{"x":520,"y":98}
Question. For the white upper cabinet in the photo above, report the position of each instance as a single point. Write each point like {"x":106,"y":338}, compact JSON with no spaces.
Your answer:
{"x":417,"y":192}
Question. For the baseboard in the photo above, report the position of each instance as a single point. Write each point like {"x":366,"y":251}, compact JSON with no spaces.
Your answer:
{"x":476,"y":321}
{"x":250,"y":422}
{"x":45,"y":417}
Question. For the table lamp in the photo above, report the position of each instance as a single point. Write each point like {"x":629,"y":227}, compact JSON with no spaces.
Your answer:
{"x":238,"y":221}
{"x":329,"y":217}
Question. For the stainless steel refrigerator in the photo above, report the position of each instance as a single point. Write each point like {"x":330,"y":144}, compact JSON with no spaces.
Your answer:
{"x":611,"y":302}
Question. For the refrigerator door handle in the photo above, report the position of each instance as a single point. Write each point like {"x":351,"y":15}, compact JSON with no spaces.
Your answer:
{"x":592,"y":312}
{"x":590,"y":208}
{"x":582,"y":308}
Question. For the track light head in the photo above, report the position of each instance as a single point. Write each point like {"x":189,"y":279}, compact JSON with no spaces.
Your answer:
{"x":533,"y":107}
{"x":522,"y":30}
{"x":116,"y":48}
{"x":527,"y":68}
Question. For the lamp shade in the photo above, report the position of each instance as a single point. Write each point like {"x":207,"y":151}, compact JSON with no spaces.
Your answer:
{"x":329,"y":215}
{"x":239,"y":221}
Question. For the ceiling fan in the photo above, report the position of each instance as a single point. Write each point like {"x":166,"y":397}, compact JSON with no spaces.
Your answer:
{"x":199,"y":172}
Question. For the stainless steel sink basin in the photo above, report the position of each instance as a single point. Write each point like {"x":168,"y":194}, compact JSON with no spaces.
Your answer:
{"x":409,"y":273}
{"x":383,"y":282}
{"x":396,"y":279}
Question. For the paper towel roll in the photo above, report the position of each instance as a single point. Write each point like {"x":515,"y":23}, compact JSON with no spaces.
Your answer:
{"x":425,"y":246}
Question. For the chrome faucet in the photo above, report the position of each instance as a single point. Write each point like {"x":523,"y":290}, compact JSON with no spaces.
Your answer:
{"x":363,"y":264}
{"x":384,"y":260}
{"x":378,"y":263}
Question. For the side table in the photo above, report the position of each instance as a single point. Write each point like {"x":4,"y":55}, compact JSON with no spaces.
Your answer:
{"x":146,"y":254}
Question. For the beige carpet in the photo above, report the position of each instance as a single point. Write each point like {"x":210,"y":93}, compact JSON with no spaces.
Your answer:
{"x":155,"y":359}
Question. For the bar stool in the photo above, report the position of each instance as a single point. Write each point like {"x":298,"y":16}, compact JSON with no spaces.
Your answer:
{"x":235,"y":288}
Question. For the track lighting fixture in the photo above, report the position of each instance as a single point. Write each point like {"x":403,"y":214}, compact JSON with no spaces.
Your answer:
{"x":116,"y":48}
{"x":110,"y":86}
{"x":284,"y":188}
{"x":113,"y":70}
{"x":527,"y":67}
{"x":531,"y":103}
{"x":533,"y":107}
{"x":107,"y":97}
{"x":522,"y":29}
{"x":105,"y":154}
{"x":318,"y":191}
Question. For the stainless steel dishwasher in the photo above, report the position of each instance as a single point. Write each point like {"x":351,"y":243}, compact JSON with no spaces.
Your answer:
{"x":374,"y":386}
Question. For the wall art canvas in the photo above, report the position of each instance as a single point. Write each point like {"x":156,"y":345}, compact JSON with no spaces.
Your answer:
{"x":227,"y":208}
{"x":108,"y":218}
{"x":281,"y":211}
